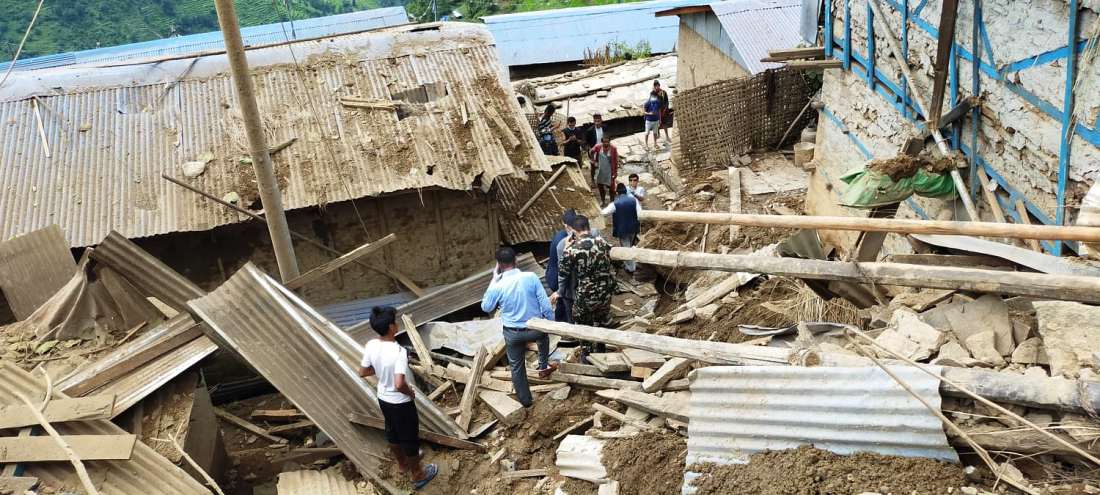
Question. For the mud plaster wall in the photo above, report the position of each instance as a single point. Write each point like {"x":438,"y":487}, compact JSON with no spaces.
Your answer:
{"x":698,"y":62}
{"x":1015,"y":138}
{"x":444,"y":239}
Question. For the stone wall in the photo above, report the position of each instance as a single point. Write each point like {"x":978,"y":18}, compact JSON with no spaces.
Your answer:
{"x":699,"y":62}
{"x":1018,"y":140}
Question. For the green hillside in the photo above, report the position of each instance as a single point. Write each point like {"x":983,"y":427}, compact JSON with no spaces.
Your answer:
{"x":70,"y":25}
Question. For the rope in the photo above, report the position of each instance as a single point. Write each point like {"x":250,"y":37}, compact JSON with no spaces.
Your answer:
{"x":21,"y":43}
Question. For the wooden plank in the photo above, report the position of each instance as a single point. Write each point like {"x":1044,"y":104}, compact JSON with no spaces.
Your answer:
{"x":814,"y":64}
{"x":1025,"y":219}
{"x":59,"y":410}
{"x":1047,"y":286}
{"x":575,"y":426}
{"x":86,"y":447}
{"x":957,"y":260}
{"x":990,"y":195}
{"x":292,"y":427}
{"x":597,"y":382}
{"x":308,"y":454}
{"x":436,"y":438}
{"x":640,"y":372}
{"x":643,"y":358}
{"x":622,"y":418}
{"x":794,"y":54}
{"x":340,"y":262}
{"x":17,"y":485}
{"x":460,"y":374}
{"x":579,"y":369}
{"x":673,"y":368}
{"x":545,"y":186}
{"x":507,"y":410}
{"x":440,"y":390}
{"x":276,"y":414}
{"x":735,"y":198}
{"x":944,"y":43}
{"x":422,"y":351}
{"x":246,"y":426}
{"x":12,"y":468}
{"x":525,"y":473}
{"x":609,"y":362}
{"x":469,"y":395}
{"x":896,"y":225}
{"x":652,"y":404}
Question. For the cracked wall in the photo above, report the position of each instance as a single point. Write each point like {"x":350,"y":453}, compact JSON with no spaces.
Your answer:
{"x":1017,"y":139}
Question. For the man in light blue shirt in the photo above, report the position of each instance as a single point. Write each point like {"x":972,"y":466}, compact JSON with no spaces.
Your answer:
{"x":520,"y":297}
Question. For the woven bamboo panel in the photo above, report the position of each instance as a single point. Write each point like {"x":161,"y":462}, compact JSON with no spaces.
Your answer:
{"x":723,"y":120}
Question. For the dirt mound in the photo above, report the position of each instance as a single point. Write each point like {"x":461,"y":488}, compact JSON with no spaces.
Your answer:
{"x":650,"y":463}
{"x":904,"y":166}
{"x":809,"y":471}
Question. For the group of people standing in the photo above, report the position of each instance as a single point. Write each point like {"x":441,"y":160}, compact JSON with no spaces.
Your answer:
{"x":579,"y":274}
{"x":601,"y":154}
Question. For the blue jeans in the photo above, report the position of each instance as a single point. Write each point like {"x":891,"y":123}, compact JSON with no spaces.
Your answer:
{"x":515,"y":340}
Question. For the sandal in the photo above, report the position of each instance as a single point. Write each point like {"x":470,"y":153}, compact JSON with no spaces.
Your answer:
{"x":429,"y":473}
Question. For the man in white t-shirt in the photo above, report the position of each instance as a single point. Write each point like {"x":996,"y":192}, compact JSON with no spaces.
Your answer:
{"x":385,"y":358}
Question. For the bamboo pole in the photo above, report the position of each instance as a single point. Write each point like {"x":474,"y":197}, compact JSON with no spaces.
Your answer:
{"x":897,"y":225}
{"x":1042,"y":285}
{"x":549,"y":182}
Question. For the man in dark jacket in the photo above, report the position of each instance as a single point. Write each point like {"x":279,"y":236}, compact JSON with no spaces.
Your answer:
{"x":624,"y":212}
{"x":562,"y":308}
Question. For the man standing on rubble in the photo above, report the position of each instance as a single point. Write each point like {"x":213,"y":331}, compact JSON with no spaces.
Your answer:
{"x":625,"y":211}
{"x":665,"y":111}
{"x":571,"y":147}
{"x":563,"y":307}
{"x":593,"y":135}
{"x":587,"y":259}
{"x":385,"y":358}
{"x":520,"y":297}
{"x":546,"y":130}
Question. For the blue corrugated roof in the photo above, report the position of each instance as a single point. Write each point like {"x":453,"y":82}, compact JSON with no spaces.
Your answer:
{"x":253,"y":36}
{"x":562,"y":35}
{"x":347,"y":314}
{"x":745,"y":30}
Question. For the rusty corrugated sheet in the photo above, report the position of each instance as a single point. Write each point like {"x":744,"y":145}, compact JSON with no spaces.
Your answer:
{"x":33,"y":267}
{"x":141,"y":382}
{"x":740,"y":410}
{"x":145,"y":472}
{"x":113,"y":131}
{"x":253,"y":317}
{"x":449,"y":299}
{"x":147,"y":273}
{"x":543,"y":218}
{"x":327,"y":482}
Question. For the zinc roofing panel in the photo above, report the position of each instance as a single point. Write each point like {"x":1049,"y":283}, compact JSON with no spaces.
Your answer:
{"x":523,"y":38}
{"x":112,"y":132}
{"x":753,"y":27}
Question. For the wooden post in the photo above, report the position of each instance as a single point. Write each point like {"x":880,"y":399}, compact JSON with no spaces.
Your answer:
{"x":1042,"y":285}
{"x":549,"y":182}
{"x":469,"y":395}
{"x":422,"y":351}
{"x":270,"y":195}
{"x":1025,"y":219}
{"x":897,"y":225}
{"x":735,"y":199}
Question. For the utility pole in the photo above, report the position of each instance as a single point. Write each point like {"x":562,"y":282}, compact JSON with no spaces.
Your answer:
{"x":261,"y":160}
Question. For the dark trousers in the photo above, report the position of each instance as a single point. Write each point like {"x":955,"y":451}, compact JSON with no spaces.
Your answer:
{"x":515,"y":340}
{"x":563,"y":311}
{"x":402,"y":426}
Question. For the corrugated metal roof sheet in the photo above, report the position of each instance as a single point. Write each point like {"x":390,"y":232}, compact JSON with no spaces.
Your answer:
{"x":114,"y":131}
{"x":193,"y":43}
{"x":327,"y":482}
{"x":579,"y":456}
{"x":562,"y":35}
{"x":145,"y":468}
{"x":740,"y":410}
{"x":348,"y":313}
{"x":141,"y":382}
{"x":33,"y":267}
{"x":259,"y":324}
{"x":749,"y":29}
{"x":146,"y":272}
{"x":543,"y":218}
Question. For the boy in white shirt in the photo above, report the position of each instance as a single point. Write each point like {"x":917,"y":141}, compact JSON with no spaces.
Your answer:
{"x":385,"y":358}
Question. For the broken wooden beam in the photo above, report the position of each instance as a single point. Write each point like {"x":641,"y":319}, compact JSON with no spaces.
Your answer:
{"x":246,"y":426}
{"x":624,"y":419}
{"x":86,"y":447}
{"x":291,"y":427}
{"x":545,"y":186}
{"x":896,"y":225}
{"x":673,"y":368}
{"x":469,"y":395}
{"x":422,"y":351}
{"x":652,"y":404}
{"x":794,"y":54}
{"x":1038,"y":392}
{"x":524,"y":473}
{"x":336,"y":264}
{"x":276,"y":414}
{"x":1042,"y":285}
{"x":814,"y":64}
{"x":575,"y":426}
{"x":436,"y":438}
{"x":597,"y":382}
{"x":506,"y":409}
{"x":59,"y":410}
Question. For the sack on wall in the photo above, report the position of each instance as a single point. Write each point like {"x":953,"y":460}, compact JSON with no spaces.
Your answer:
{"x":870,"y":189}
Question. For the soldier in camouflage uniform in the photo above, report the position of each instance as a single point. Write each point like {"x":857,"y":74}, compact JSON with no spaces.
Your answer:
{"x":587,"y":260}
